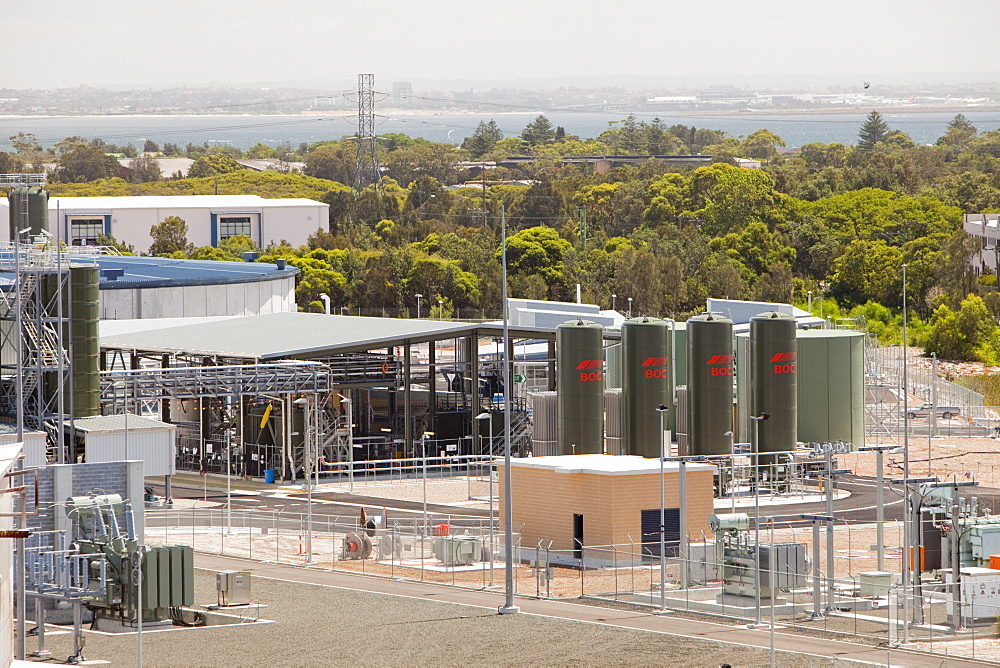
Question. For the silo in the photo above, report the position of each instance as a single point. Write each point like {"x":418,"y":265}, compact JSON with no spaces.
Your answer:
{"x":29,"y":209}
{"x":80,"y":311}
{"x":580,"y":377}
{"x":773,"y":386}
{"x":85,"y":350}
{"x":646,"y":384}
{"x":710,"y":384}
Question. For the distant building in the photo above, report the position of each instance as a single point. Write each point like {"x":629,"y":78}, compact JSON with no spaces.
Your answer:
{"x":168,"y":166}
{"x":986,"y":228}
{"x":747,"y":163}
{"x":210,"y":219}
{"x":402,"y":93}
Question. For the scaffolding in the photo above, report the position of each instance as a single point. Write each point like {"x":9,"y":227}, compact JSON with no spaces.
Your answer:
{"x":35,"y":366}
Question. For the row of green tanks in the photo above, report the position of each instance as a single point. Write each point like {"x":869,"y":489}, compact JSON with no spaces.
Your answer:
{"x":649,"y":370}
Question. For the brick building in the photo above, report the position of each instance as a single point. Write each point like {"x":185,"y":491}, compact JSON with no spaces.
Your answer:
{"x":602,"y":500}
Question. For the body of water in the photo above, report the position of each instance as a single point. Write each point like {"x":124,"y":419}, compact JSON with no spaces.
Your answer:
{"x":245,"y":131}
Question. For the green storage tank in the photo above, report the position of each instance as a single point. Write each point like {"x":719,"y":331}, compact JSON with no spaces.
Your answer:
{"x":646,"y":384}
{"x":29,"y":209}
{"x":831,"y":395}
{"x":710,"y":385}
{"x":86,"y":344}
{"x":81,"y":314}
{"x":773,"y":387}
{"x":580,"y":387}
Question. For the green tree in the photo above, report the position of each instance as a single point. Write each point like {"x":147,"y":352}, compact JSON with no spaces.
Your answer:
{"x":538,"y":131}
{"x":109,"y":241}
{"x":150,"y":146}
{"x":539,"y":251}
{"x":170,"y":236}
{"x":439,"y":161}
{"x":873,"y":131}
{"x":144,"y":168}
{"x":333,"y":162}
{"x":761,"y":145}
{"x":261,"y":152}
{"x":963,"y":334}
{"x":213,"y":165}
{"x":483,"y":139}
{"x":25,"y":144}
{"x":867,"y":271}
{"x":80,"y":162}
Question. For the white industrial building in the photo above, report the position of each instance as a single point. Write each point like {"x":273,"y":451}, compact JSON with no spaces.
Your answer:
{"x":210,"y":218}
{"x":986,"y":228}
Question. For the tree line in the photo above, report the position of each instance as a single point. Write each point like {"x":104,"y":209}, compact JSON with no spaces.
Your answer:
{"x":837,"y":221}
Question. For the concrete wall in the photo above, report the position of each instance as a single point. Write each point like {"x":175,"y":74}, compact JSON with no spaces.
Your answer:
{"x":251,"y":298}
{"x":545,"y":500}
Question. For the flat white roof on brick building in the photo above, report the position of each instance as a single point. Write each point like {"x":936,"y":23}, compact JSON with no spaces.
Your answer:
{"x":604,"y":464}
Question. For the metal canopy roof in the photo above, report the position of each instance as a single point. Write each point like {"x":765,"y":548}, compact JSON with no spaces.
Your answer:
{"x":159,"y":272}
{"x":298,"y":335}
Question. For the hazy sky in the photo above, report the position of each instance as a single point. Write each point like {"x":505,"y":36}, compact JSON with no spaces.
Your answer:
{"x":126,"y":42}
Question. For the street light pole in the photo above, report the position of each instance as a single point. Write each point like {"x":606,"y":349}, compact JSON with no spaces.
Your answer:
{"x":418,"y":296}
{"x":662,"y":410}
{"x":756,"y":505}
{"x":508,"y":520}
{"x":629,"y":307}
{"x":423,"y":452}
{"x":907,"y":538}
{"x":613,"y":298}
{"x":481,"y":417}
{"x":304,"y":403}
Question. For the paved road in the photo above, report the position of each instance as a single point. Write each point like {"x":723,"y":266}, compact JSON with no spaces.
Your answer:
{"x":858,"y":507}
{"x":668,"y":625}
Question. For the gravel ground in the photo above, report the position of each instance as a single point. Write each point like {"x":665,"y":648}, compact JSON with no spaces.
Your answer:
{"x":326,"y":626}
{"x":961,"y":458}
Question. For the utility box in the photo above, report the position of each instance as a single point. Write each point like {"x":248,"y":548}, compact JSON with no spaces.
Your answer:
{"x":702,"y":563}
{"x":980,"y":596}
{"x":875,"y":583}
{"x":233,"y":587}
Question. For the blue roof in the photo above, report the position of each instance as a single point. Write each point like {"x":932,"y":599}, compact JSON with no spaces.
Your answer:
{"x":159,"y":272}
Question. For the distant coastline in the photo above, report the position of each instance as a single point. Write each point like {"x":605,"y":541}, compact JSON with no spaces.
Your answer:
{"x":924,"y":124}
{"x":400,"y":111}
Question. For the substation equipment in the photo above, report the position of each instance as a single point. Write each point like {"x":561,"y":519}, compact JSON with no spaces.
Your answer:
{"x":97,"y":572}
{"x":755,"y":569}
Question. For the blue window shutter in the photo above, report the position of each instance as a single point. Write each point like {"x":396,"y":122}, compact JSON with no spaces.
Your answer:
{"x":215,"y":229}
{"x":107,"y":225}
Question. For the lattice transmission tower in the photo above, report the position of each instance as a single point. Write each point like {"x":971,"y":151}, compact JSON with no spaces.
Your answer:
{"x":367,"y":169}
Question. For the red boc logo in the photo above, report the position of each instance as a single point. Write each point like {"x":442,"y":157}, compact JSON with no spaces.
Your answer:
{"x":587,"y":376}
{"x":789,"y":362}
{"x":721,"y":370}
{"x":657,"y":362}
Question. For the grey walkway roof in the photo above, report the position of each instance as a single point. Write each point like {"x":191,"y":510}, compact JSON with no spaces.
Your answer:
{"x":297,"y":335}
